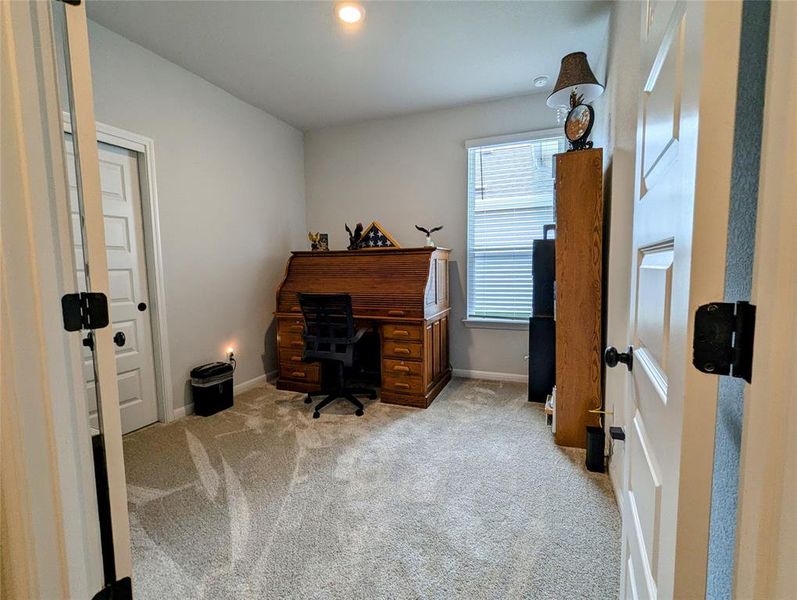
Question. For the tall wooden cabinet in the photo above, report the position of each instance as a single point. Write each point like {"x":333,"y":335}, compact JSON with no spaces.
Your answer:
{"x":579,"y":293}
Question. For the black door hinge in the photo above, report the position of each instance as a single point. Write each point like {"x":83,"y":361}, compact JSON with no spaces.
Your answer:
{"x":723,"y":343}
{"x":87,"y":310}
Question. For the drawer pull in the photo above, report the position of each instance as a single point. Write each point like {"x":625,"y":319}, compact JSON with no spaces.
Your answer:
{"x":294,"y":308}
{"x":402,"y":368}
{"x":396,"y":313}
{"x":402,"y":351}
{"x":296,"y":358}
{"x":296,"y":328}
{"x":297,"y":343}
{"x":401,"y":332}
{"x":298,"y":374}
{"x":404,"y":386}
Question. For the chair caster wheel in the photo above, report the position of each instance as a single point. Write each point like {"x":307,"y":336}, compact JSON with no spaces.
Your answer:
{"x":308,"y":400}
{"x":359,"y":412}
{"x":316,"y":414}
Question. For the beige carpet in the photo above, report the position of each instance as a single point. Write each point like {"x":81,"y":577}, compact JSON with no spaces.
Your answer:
{"x":467,"y":499}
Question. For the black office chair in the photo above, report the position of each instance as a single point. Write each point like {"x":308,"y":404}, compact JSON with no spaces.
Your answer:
{"x":330,"y":338}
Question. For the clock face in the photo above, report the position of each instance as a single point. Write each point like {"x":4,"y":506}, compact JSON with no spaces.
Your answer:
{"x":579,"y":122}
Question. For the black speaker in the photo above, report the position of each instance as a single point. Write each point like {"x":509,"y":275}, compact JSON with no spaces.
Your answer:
{"x":542,"y":327}
{"x":542,"y":357}
{"x":543,"y":269}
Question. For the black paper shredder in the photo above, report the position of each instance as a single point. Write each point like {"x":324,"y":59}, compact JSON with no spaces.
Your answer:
{"x":211,"y":387}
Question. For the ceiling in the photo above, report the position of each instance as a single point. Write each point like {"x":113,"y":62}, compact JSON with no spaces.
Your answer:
{"x":296,"y":62}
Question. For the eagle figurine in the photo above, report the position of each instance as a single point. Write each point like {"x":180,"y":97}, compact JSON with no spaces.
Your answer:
{"x":429,"y":241}
{"x":356,"y":237}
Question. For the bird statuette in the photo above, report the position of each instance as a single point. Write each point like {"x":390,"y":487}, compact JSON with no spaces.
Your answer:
{"x":356,"y":237}
{"x":429,"y":241}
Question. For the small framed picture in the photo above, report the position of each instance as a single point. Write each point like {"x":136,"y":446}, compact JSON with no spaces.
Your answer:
{"x":318,"y":241}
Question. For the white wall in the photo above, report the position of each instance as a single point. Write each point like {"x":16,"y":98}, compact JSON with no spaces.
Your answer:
{"x":231,"y":191}
{"x":413,"y":170}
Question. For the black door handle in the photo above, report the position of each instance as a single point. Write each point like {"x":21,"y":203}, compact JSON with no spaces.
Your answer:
{"x":142,"y":306}
{"x":119,"y":339}
{"x":612,"y":357}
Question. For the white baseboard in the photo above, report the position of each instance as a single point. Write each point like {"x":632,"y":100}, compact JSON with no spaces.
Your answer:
{"x":247,"y":385}
{"x":238,"y":389}
{"x":491,"y":375}
{"x":272,"y":375}
{"x":183,"y":411}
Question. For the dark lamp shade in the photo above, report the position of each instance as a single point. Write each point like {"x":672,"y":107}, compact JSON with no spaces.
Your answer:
{"x":574,"y":74}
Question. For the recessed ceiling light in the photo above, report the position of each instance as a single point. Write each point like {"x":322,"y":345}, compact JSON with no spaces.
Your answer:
{"x":541,"y":81}
{"x":350,"y":12}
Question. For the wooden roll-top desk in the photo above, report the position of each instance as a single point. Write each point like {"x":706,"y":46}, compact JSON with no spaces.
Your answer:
{"x":402,"y":292}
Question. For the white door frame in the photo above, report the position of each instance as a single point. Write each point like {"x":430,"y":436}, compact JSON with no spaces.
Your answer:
{"x":51,"y":533}
{"x":87,"y":165}
{"x":766,"y":538}
{"x":622,"y":74}
{"x":144,"y":147}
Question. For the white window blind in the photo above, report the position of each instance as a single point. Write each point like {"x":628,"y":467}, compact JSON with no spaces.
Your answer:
{"x":510,"y":198}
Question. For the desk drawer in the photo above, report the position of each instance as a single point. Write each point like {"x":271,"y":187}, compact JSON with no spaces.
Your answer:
{"x":402,"y":367}
{"x":292,"y":356}
{"x":291,"y":325}
{"x":400,"y":382}
{"x":401,"y":331}
{"x":308,"y":372}
{"x":290,"y":339}
{"x":406,"y":350}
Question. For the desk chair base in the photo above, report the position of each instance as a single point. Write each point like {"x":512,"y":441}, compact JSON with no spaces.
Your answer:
{"x":346,"y":394}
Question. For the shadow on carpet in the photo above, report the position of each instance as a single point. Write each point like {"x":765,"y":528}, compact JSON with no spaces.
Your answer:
{"x":469,"y":498}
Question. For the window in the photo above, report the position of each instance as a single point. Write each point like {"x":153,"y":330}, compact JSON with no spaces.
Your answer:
{"x":510,"y":198}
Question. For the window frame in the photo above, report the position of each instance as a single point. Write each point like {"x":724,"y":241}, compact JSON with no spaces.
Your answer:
{"x":526,"y":136}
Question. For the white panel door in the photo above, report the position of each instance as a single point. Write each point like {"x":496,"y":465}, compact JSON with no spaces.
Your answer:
{"x":687,"y":102}
{"x":129,"y":298}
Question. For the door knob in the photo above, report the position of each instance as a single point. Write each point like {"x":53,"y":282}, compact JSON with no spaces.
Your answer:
{"x":142,"y":306}
{"x":119,"y":339}
{"x":612,"y":357}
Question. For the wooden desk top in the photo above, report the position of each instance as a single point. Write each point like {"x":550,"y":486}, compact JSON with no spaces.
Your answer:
{"x":379,"y":251}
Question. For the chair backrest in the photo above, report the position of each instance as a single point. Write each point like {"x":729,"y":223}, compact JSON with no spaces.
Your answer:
{"x":328,"y":327}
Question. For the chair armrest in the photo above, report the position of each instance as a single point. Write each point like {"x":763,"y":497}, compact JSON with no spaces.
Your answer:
{"x":358,"y":335}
